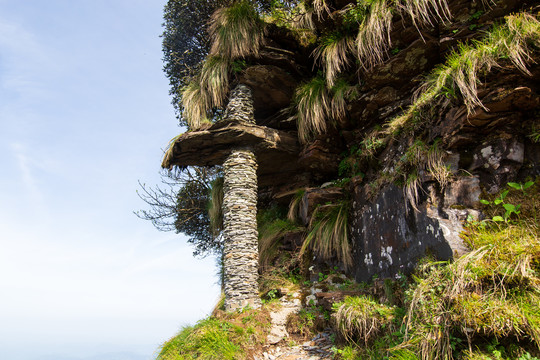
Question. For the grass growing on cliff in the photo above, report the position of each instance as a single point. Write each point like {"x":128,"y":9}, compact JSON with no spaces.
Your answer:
{"x":491,"y":293}
{"x":484,"y":305}
{"x":195,"y":104}
{"x":214,"y":79}
{"x":328,"y":234}
{"x":423,"y":11}
{"x":373,"y":38}
{"x":313,"y":106}
{"x":334,"y":54}
{"x":231,"y":336}
{"x":236,"y":31}
{"x":316,"y":106}
{"x":514,"y":41}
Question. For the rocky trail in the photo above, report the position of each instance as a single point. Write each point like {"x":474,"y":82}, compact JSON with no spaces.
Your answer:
{"x":278,"y":346}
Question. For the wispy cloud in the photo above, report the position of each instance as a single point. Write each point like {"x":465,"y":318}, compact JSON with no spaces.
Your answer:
{"x":25,"y":167}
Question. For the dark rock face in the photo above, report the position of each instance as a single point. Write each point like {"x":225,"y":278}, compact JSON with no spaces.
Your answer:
{"x":497,"y":162}
{"x":484,"y":148}
{"x":464,"y":191}
{"x":272,"y":88}
{"x":390,"y":237}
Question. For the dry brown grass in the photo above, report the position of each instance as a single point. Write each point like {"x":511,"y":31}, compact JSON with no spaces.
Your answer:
{"x":373,"y":39}
{"x":334,"y":54}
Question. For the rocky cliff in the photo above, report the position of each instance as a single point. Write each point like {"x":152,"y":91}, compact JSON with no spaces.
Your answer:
{"x":440,"y":112}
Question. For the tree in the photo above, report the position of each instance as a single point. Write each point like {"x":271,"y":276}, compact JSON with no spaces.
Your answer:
{"x":181,"y":205}
{"x":186,"y":41}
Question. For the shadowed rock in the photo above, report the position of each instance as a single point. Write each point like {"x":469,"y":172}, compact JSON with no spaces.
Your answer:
{"x":276,"y":150}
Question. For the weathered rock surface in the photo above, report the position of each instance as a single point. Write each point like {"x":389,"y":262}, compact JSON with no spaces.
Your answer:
{"x":389,"y":236}
{"x":272,"y":88}
{"x":276,"y":151}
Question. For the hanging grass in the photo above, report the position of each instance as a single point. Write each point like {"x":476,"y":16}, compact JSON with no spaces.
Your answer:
{"x":328,"y":234}
{"x":236,"y":31}
{"x":317,"y":106}
{"x":423,"y":11}
{"x":334,"y":53}
{"x":313,"y":106}
{"x":320,"y":7}
{"x":195,"y":105}
{"x":167,"y":158}
{"x":214,"y":79}
{"x":514,"y":41}
{"x":206,"y":91}
{"x":373,"y":39}
{"x":294,"y":205}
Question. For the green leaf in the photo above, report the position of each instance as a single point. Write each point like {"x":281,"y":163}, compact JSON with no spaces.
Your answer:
{"x":498,"y":218}
{"x":528,"y":184}
{"x":498,"y":201}
{"x":503,"y":195}
{"x":514,"y":185}
{"x":485,"y":202}
{"x":509,"y":207}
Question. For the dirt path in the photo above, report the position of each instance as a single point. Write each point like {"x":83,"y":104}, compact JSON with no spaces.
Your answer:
{"x":277,"y":347}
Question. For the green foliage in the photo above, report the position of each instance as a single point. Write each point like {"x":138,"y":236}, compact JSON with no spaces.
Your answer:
{"x":501,"y":202}
{"x":362,"y":318}
{"x":328,"y":233}
{"x":209,"y":339}
{"x":535,"y":134}
{"x":236,"y":31}
{"x":272,"y":226}
{"x":225,"y":337}
{"x":308,"y":321}
{"x":512,"y":41}
{"x":181,"y":205}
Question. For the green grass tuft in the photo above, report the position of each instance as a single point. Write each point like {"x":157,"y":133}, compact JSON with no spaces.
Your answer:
{"x":328,"y":234}
{"x":362,"y":318}
{"x":236,"y":31}
{"x":512,"y":41}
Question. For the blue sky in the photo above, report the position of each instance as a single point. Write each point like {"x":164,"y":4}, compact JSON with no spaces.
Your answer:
{"x":84,"y":114}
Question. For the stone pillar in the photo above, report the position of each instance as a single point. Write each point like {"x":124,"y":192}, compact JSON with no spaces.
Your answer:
{"x":241,"y":253}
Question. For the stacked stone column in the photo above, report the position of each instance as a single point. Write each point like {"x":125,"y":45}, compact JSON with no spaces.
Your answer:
{"x":241,"y":254}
